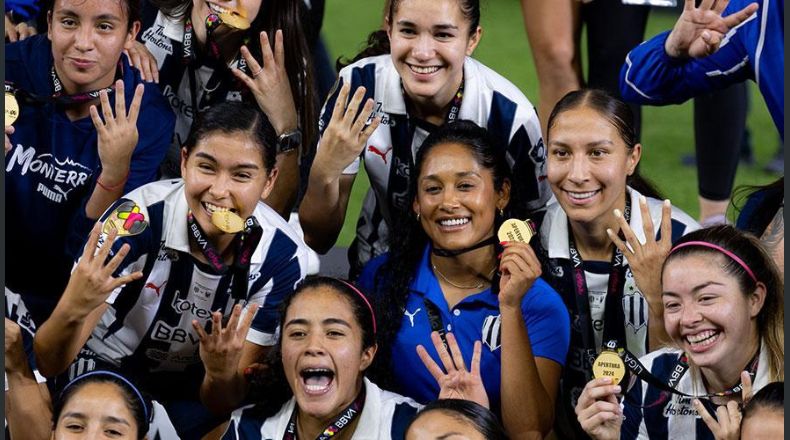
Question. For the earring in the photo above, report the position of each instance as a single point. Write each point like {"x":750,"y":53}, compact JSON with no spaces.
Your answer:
{"x":501,"y":212}
{"x":418,"y":216}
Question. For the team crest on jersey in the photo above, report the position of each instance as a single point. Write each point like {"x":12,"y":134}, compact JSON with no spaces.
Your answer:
{"x":126,"y":219}
{"x":492,"y":337}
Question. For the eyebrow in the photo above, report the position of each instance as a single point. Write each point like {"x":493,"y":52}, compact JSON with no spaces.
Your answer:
{"x":70,"y":13}
{"x":458,"y":174}
{"x":449,"y":434}
{"x":246,"y":165}
{"x":442,"y":26}
{"x":588,"y":144}
{"x":696,"y":288}
{"x":327,"y":321}
{"x":110,"y":419}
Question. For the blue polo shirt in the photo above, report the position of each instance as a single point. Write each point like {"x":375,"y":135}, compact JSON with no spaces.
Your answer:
{"x":475,"y":318}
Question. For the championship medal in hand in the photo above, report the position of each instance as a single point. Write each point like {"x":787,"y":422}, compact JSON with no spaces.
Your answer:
{"x":236,"y":19}
{"x":609,"y":364}
{"x":11,"y":109}
{"x":227,"y":221}
{"x":515,"y":230}
{"x":126,"y":219}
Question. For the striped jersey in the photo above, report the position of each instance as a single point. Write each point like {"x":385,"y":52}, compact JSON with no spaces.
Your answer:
{"x":489,"y":100}
{"x":558,"y":272}
{"x":673,"y":417}
{"x":148,"y":324}
{"x":384,"y":416}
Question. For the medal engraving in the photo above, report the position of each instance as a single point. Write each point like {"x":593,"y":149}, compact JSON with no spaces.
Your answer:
{"x":11,"y":109}
{"x":515,"y":230}
{"x":609,"y":364}
{"x":227,"y":221}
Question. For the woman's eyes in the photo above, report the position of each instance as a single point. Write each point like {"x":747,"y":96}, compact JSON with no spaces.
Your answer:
{"x":558,"y":153}
{"x":598,"y":153}
{"x":671,"y":306}
{"x":68,"y":22}
{"x":105,"y":26}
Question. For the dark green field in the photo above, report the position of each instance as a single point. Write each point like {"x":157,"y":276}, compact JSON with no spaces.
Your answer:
{"x":667,"y":131}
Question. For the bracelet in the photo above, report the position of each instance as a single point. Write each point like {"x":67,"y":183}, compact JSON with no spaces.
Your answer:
{"x":113,"y":187}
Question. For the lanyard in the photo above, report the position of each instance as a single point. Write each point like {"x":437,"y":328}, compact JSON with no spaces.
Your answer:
{"x":341,"y":420}
{"x":58,"y":97}
{"x":188,"y":57}
{"x":245,"y":243}
{"x":633,"y":364}
{"x":613,"y":311}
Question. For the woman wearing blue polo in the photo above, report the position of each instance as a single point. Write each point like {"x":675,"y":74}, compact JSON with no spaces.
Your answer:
{"x":448,"y":272}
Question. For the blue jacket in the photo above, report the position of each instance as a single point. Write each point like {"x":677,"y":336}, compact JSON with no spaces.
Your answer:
{"x":754,"y":50}
{"x":51,"y":171}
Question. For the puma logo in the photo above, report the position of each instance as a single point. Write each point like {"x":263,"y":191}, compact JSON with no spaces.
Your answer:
{"x":155,"y":287}
{"x":382,"y":154}
{"x":411,"y":315}
{"x":64,"y":192}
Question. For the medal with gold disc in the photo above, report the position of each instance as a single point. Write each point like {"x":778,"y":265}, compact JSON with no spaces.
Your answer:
{"x":609,"y":364}
{"x":235,"y":19}
{"x":227,"y":221}
{"x":516,"y":230}
{"x":11,"y":109}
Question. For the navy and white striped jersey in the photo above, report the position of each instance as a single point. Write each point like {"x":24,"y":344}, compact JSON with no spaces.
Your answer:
{"x":489,"y":100}
{"x":674,"y":417}
{"x":148,"y":323}
{"x":558,"y":272}
{"x":384,"y":416}
{"x":16,"y":311}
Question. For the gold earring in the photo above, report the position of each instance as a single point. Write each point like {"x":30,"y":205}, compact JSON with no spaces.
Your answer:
{"x":418,"y":216}
{"x":501,"y":212}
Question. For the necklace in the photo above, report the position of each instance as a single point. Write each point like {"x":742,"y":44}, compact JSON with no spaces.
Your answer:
{"x":460,"y":286}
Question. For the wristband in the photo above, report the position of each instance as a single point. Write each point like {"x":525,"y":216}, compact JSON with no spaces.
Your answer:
{"x":111,"y":188}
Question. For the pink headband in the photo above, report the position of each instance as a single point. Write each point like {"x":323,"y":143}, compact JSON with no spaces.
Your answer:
{"x":720,"y":249}
{"x":364,"y":298}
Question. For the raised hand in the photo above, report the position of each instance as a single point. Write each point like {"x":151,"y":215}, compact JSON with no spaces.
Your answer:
{"x":346,"y":134}
{"x":269,"y":83}
{"x":727,"y":424}
{"x":646,"y":259}
{"x":117,"y":134}
{"x":92,"y":280}
{"x":520,"y":268}
{"x":457,"y":382}
{"x":17,"y":32}
{"x":15,"y":357}
{"x":598,"y":411}
{"x":699,"y":30}
{"x":141,"y":58}
{"x":221,"y":348}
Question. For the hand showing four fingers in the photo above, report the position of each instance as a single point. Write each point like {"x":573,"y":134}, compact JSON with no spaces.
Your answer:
{"x":269,"y":83}
{"x":457,"y":382}
{"x":347,"y":133}
{"x":221,"y":347}
{"x":646,"y":259}
{"x":700,"y":30}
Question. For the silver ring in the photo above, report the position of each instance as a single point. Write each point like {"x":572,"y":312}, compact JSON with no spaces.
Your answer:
{"x":255,"y":74}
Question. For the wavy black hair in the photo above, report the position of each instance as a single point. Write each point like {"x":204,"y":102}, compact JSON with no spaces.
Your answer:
{"x":287,"y":15}
{"x":465,"y":411}
{"x":408,"y":239}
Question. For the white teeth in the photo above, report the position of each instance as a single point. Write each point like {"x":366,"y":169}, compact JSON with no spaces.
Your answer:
{"x":215,"y":208}
{"x":582,"y":195}
{"x":217,"y":9}
{"x":706,"y":337}
{"x":316,"y":388}
{"x":421,"y":69}
{"x":454,"y":222}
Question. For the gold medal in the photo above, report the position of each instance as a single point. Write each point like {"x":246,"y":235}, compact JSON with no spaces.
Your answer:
{"x":609,"y":364}
{"x":227,"y":221}
{"x":126,"y":219}
{"x":235,"y":20}
{"x":515,"y":230}
{"x":11,"y":109}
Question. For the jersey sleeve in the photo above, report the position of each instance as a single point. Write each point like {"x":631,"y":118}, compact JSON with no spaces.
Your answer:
{"x":650,"y":76}
{"x":548,"y":322}
{"x":284,"y":266}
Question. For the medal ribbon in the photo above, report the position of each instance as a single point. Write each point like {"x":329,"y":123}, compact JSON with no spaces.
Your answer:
{"x":188,"y":56}
{"x":342,"y":420}
{"x":613,"y":310}
{"x":633,"y":364}
{"x":245,"y":243}
{"x":58,"y":97}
